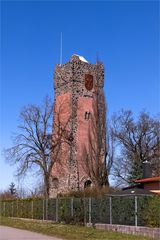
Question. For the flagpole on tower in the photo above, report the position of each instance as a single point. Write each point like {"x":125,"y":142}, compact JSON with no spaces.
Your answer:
{"x":61,"y":50}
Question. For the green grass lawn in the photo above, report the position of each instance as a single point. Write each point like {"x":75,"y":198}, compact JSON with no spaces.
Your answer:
{"x":71,"y":232}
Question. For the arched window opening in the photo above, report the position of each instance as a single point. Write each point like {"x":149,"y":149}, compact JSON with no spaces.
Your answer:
{"x":87,"y":115}
{"x":55,"y":183}
{"x":87,"y":184}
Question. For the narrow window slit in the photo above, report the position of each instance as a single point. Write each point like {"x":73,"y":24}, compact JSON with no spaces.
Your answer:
{"x":87,"y":115}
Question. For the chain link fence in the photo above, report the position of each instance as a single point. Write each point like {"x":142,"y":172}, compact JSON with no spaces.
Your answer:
{"x":123,"y":210}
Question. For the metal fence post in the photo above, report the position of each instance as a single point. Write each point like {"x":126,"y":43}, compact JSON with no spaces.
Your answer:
{"x":71,"y":207}
{"x":43,"y":208}
{"x":32,"y":208}
{"x":12,"y":209}
{"x":56,"y":209}
{"x":110,"y":210}
{"x":46,"y":209}
{"x":90,"y":210}
{"x":136,"y":219}
{"x":17,"y":208}
{"x":84,"y":213}
{"x":4,"y":209}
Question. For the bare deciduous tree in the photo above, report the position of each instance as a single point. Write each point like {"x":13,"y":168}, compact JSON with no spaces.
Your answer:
{"x":137,"y":141}
{"x":33,"y":147}
{"x":98,"y":155}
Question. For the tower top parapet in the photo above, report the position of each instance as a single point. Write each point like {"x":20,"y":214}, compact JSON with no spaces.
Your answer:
{"x":76,"y":70}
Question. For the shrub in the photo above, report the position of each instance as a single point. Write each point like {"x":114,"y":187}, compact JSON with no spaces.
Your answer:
{"x":152,"y":212}
{"x":89,"y":192}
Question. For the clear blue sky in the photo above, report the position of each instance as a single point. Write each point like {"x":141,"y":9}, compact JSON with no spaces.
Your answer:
{"x":124,"y":34}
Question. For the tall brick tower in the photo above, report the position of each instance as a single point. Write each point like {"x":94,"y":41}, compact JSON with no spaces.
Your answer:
{"x":78,"y":86}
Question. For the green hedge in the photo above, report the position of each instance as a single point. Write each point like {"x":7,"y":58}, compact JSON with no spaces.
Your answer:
{"x":151,"y":212}
{"x":77,"y":210}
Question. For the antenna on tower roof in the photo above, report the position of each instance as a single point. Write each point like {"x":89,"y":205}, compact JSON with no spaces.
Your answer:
{"x":97,"y":57}
{"x":61,"y":50}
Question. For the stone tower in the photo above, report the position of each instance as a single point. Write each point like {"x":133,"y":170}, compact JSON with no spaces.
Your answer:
{"x":78,"y":87}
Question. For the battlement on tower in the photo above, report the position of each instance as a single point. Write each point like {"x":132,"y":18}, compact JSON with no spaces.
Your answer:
{"x":75,"y":71}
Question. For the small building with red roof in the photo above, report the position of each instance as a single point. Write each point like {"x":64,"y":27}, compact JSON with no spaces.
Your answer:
{"x":152,"y":184}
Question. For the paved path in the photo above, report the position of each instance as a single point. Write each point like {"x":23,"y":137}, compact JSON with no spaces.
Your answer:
{"x":8,"y":233}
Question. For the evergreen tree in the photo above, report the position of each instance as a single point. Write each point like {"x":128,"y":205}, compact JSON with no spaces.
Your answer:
{"x":12,"y":189}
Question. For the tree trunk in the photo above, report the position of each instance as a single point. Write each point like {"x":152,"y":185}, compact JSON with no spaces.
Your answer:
{"x":46,"y":186}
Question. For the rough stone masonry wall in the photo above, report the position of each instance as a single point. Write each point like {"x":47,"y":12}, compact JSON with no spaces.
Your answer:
{"x":70,"y":78}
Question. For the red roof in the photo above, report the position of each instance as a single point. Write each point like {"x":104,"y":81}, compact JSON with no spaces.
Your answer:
{"x":152,"y":179}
